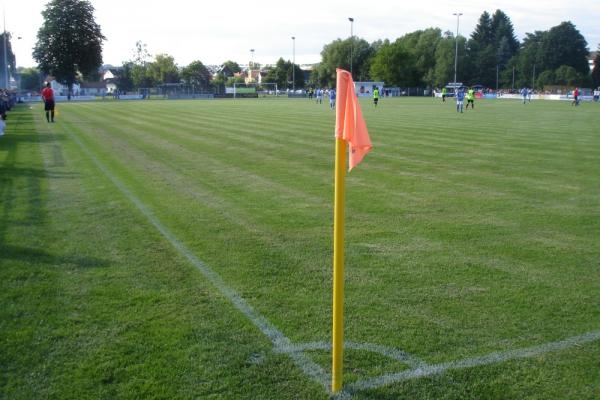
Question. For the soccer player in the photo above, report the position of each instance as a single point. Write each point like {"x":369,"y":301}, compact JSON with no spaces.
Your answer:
{"x":470,"y":98}
{"x":443,"y":94}
{"x":48,"y":98}
{"x":524,"y":93}
{"x":460,"y":98}
{"x":375,"y":96}
{"x":575,"y":101}
{"x":332,"y":98}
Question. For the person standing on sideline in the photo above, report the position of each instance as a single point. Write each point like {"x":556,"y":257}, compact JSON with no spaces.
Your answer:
{"x":48,"y":98}
{"x":460,"y":98}
{"x":332,"y":98}
{"x":375,"y":96}
{"x":443,"y":95}
{"x":575,"y":101}
{"x":470,"y":99}
{"x":524,"y":93}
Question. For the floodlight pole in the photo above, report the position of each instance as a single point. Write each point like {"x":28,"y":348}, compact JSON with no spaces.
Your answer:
{"x":251,"y":62}
{"x":513,"y":83}
{"x":456,"y":48}
{"x":293,"y":64}
{"x":351,"y":41}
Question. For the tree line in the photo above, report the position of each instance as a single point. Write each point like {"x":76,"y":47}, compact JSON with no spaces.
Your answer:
{"x":491,"y":56}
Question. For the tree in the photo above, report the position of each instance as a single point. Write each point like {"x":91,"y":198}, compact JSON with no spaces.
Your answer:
{"x":503,"y":37}
{"x":230,"y":68}
{"x":395,"y":65}
{"x":10,"y":57}
{"x":163,"y":69}
{"x":196,"y":74}
{"x":30,"y":79}
{"x":531,"y":58}
{"x":124,"y":79}
{"x":596,"y":70}
{"x":491,"y":46}
{"x":282,"y":74}
{"x":337,"y":55}
{"x":140,"y":74}
{"x":69,"y":41}
{"x":444,"y":61}
{"x":422,"y":44}
{"x":564,"y":45}
{"x":567,"y":75}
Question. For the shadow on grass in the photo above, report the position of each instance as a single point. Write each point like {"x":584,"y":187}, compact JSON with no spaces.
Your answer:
{"x":22,"y":180}
{"x":38,"y":256}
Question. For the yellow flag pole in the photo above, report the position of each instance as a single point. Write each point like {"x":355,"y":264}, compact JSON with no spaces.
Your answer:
{"x":338,"y":266}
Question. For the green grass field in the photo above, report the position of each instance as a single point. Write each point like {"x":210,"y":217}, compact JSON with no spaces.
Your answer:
{"x":183,"y":250}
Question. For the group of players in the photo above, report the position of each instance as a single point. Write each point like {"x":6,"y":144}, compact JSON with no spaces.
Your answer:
{"x":319,"y":93}
{"x":460,"y":98}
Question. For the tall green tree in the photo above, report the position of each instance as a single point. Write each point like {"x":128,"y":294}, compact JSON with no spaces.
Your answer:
{"x":491,"y":47}
{"x":124,"y":79}
{"x":163,"y":69}
{"x":196,"y":74}
{"x":503,"y":37}
{"x":564,"y":45}
{"x":422,"y":45}
{"x":282,"y":74}
{"x":395,"y":64}
{"x":69,"y":41}
{"x":481,"y":53}
{"x":337,"y":55}
{"x":596,"y":70}
{"x":444,"y":60}
{"x":10,"y":58}
{"x":530,"y":61}
{"x":30,"y":79}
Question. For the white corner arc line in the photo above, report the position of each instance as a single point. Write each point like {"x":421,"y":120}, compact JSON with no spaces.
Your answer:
{"x":492,"y":358}
{"x":279,"y":340}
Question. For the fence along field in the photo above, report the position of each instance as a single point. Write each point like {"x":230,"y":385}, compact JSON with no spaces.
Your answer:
{"x":472,"y":252}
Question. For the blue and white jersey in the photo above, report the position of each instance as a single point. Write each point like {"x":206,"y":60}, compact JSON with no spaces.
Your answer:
{"x":460,"y":95}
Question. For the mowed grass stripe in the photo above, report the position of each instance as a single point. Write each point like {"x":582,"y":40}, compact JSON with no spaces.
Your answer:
{"x":255,"y":153}
{"x":233,"y":264}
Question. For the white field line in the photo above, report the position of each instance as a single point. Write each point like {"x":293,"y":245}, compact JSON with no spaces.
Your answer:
{"x":279,"y":340}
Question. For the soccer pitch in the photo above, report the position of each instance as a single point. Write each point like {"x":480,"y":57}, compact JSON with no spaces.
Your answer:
{"x":183,"y":249}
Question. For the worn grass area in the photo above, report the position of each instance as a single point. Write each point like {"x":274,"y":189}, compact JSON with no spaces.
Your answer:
{"x":466,"y":234}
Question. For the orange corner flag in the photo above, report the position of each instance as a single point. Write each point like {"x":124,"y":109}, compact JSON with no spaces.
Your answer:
{"x":349,"y":122}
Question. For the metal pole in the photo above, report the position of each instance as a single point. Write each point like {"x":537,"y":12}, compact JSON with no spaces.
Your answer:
{"x":251,"y":63}
{"x":496,"y":78}
{"x":456,"y":48}
{"x":351,"y":41}
{"x":533,"y":79}
{"x":294,"y":64}
{"x":513,"y":84}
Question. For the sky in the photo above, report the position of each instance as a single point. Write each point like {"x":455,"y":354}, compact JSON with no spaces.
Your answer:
{"x":213,"y":31}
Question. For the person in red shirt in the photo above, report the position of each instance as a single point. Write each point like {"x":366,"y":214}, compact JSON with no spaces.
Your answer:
{"x":48,"y":98}
{"x":575,"y":97}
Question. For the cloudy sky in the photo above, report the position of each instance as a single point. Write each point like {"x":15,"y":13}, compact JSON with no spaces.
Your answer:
{"x":216,"y":31}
